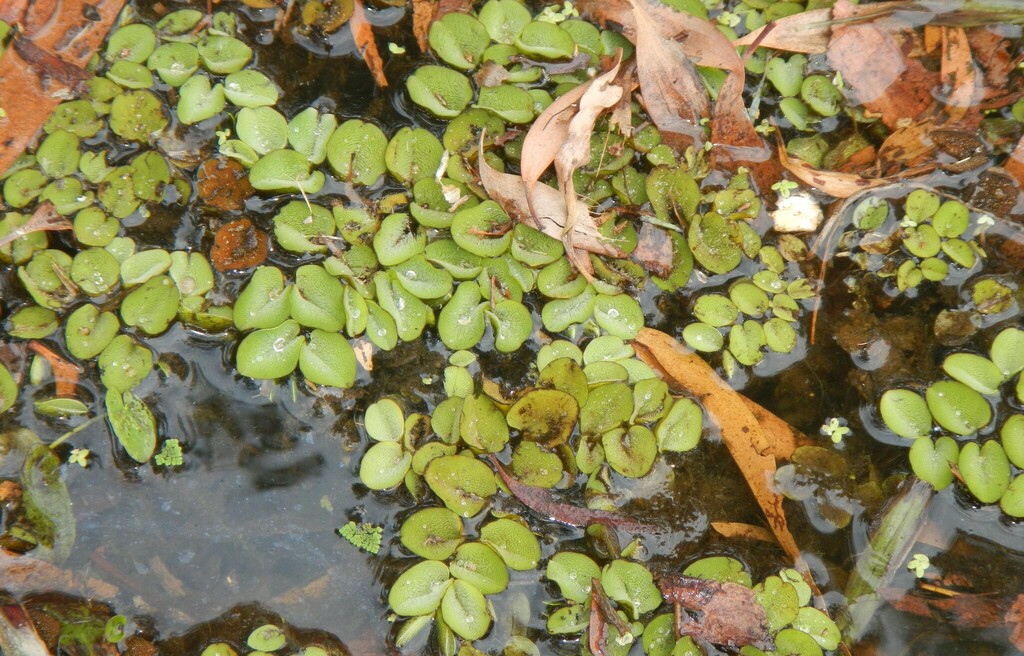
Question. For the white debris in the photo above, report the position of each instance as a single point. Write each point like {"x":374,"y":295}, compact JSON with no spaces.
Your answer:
{"x":798,"y":213}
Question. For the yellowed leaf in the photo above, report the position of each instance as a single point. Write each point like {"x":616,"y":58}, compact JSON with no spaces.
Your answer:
{"x":362,"y":32}
{"x":740,"y":530}
{"x":742,"y":434}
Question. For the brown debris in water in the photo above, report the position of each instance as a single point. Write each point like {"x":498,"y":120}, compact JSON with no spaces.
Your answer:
{"x":239,"y":245}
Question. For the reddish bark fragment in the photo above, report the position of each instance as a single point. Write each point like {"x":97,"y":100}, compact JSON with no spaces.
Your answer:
{"x":362,"y":32}
{"x":63,"y":37}
{"x":1015,"y":622}
{"x":422,"y":17}
{"x":65,"y":372}
{"x":874,"y":66}
{"x":1015,"y":164}
{"x":729,"y":614}
{"x":540,"y":501}
{"x":223,"y":183}
{"x":239,"y":245}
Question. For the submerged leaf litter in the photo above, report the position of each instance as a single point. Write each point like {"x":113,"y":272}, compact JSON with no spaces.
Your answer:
{"x":407,"y":365}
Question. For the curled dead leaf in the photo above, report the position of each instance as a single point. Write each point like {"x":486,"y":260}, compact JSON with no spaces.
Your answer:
{"x":510,"y":192}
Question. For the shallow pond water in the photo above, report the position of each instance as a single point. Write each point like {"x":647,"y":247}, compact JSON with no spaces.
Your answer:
{"x":270,"y":470}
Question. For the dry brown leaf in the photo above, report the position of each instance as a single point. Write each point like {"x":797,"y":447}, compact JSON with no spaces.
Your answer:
{"x":70,"y":31}
{"x":21,"y":573}
{"x":736,"y":141}
{"x":673,"y":92}
{"x":806,"y":32}
{"x":45,"y":218}
{"x":875,"y":68}
{"x":547,"y":134}
{"x":1015,"y":622}
{"x":746,"y":440}
{"x":18,"y":634}
{"x":784,"y":438}
{"x":907,"y":145}
{"x":509,"y":191}
{"x":422,"y":17}
{"x":491,"y":74}
{"x":837,"y":184}
{"x":740,"y":530}
{"x":362,"y":32}
{"x":575,"y":150}
{"x":958,"y":74}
